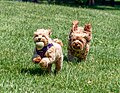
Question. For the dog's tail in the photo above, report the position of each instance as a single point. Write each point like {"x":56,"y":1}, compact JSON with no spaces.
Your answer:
{"x":58,"y":41}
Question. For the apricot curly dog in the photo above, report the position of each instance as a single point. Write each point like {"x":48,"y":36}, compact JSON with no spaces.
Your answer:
{"x":47,"y":51}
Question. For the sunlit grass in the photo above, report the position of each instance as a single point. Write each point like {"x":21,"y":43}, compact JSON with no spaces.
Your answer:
{"x":99,"y":74}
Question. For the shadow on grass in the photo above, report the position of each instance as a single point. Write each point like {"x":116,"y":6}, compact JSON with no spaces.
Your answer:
{"x":75,"y":60}
{"x":34,"y":71}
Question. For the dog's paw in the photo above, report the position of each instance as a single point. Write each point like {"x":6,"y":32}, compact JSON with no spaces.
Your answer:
{"x":43,"y":65}
{"x":37,"y":59}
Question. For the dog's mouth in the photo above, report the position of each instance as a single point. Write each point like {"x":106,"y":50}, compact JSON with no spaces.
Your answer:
{"x":39,"y":45}
{"x":40,"y":42}
{"x":39,"y":38}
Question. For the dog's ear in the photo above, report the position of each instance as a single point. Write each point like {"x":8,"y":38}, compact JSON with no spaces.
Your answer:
{"x":49,"y":32}
{"x":88,"y":27}
{"x":88,"y":31}
{"x":75,"y":25}
{"x":35,"y":33}
{"x":76,"y":22}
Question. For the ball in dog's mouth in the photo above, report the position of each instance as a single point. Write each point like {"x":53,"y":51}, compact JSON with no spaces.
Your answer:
{"x":39,"y":45}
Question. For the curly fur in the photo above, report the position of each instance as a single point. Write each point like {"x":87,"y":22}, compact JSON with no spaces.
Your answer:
{"x":79,"y":41}
{"x":53,"y":55}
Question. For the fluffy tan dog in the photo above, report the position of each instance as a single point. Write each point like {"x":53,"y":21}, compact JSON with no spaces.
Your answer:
{"x":79,"y":41}
{"x":47,"y":51}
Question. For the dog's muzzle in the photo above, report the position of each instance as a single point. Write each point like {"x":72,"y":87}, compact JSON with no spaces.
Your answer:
{"x":78,"y":44}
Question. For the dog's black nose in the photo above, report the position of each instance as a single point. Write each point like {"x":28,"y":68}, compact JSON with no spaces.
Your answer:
{"x":39,"y":39}
{"x":76,"y":44}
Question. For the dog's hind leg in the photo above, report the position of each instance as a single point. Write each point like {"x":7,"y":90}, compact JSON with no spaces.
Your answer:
{"x":58,"y":65}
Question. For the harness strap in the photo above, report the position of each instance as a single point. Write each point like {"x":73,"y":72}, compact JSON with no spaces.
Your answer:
{"x":43,"y":50}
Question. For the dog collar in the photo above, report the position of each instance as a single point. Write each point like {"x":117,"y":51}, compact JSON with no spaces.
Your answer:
{"x":43,"y":50}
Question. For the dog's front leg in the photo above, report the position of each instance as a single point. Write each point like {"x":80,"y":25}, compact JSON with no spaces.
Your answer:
{"x":49,"y":59}
{"x":70,"y":55}
{"x":45,"y":64}
{"x":50,"y":54}
{"x":36,"y":58}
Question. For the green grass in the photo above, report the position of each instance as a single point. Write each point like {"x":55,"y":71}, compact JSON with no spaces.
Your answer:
{"x":99,"y":74}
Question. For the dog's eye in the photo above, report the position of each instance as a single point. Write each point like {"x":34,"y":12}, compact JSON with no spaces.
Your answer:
{"x":73,"y":39}
{"x":36,"y":35}
{"x":81,"y":41}
{"x":43,"y":36}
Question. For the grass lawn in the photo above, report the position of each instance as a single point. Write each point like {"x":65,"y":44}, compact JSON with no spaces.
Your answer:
{"x":99,"y":74}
